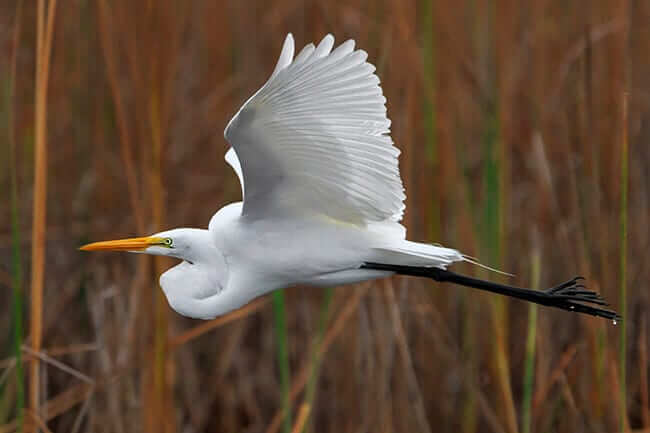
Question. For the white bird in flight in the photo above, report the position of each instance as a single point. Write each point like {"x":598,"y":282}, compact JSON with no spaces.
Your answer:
{"x":322,"y":198}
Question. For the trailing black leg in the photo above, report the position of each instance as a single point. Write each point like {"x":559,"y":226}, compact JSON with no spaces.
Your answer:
{"x":570,"y":295}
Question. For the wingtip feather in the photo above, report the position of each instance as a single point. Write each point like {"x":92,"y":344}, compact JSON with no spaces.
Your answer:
{"x":324,"y":46}
{"x":286,"y":55}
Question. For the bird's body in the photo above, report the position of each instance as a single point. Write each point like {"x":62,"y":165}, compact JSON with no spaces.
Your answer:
{"x":249,"y":258}
{"x":323,"y":197}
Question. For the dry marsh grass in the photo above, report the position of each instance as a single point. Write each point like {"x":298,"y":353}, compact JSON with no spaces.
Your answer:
{"x":515,"y":150}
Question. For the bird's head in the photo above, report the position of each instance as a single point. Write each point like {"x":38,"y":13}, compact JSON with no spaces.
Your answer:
{"x":183,"y":243}
{"x":190,"y":286}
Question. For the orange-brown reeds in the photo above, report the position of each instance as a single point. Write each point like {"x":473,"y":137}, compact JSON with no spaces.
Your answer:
{"x":44,"y":37}
{"x":524,"y":109}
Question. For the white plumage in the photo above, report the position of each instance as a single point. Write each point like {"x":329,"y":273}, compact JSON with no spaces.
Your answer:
{"x":322,"y":196}
{"x":320,"y":180}
{"x":315,"y":138}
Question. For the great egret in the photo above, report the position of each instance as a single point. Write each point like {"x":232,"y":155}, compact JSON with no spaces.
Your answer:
{"x":322,"y":198}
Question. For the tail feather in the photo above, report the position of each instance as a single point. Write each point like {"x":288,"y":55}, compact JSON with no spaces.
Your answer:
{"x":409,"y":253}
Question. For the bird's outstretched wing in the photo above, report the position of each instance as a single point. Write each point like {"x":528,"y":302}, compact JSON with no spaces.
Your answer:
{"x":315,"y":138}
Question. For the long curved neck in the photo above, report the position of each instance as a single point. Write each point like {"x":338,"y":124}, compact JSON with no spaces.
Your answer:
{"x":197,"y":290}
{"x":201,"y":291}
{"x":216,"y":305}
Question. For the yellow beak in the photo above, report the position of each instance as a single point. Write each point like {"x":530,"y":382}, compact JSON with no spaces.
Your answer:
{"x":131,"y":244}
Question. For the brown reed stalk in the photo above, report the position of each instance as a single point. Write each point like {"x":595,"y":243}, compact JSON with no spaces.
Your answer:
{"x":162,"y":60}
{"x":624,"y":422}
{"x":642,"y":344}
{"x":417,"y":402}
{"x":160,"y":309}
{"x":44,"y":36}
{"x":39,"y":422}
{"x":301,"y":419}
{"x":105,"y":22}
{"x":623,"y":266}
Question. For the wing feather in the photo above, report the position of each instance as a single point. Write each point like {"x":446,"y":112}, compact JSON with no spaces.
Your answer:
{"x":315,"y":138}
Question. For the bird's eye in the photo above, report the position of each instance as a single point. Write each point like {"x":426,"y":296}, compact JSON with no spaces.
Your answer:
{"x":168,"y":242}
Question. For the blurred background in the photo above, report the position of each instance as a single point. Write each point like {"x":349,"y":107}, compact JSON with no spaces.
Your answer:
{"x":524,"y":129}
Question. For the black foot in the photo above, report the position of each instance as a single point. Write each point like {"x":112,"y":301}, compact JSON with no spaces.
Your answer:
{"x":573,"y":296}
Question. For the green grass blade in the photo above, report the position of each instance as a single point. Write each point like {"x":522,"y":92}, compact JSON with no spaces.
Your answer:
{"x":529,"y":362}
{"x":429,"y":108}
{"x":315,"y":357}
{"x":492,"y":201}
{"x":280,"y":319}
{"x":492,"y":240}
{"x":17,"y":304}
{"x":16,"y":262}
